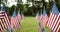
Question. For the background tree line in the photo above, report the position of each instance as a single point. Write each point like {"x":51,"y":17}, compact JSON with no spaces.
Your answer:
{"x":36,"y":6}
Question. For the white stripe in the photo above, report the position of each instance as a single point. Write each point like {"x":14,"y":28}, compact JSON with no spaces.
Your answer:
{"x":1,"y":14}
{"x":2,"y":17}
{"x":47,"y":20}
{"x":18,"y":22}
{"x":55,"y":22}
{"x":1,"y":28}
{"x":0,"y":25}
{"x":7,"y":19}
{"x":51,"y":19}
{"x":4,"y":23}
{"x":2,"y":11}
{"x":56,"y":26}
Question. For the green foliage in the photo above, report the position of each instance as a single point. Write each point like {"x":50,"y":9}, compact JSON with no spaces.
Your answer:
{"x":47,"y":29}
{"x":33,"y":9}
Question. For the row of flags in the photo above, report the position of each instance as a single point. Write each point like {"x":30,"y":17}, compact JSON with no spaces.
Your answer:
{"x":53,"y":21}
{"x":7,"y":22}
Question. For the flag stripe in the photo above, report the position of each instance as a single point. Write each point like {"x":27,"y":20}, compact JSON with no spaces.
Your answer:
{"x":58,"y":29}
{"x":55,"y":22}
{"x":52,"y":17}
{"x":56,"y":26}
{"x":49,"y":19}
{"x":2,"y":24}
{"x":1,"y":29}
{"x":8,"y":21}
{"x":4,"y":20}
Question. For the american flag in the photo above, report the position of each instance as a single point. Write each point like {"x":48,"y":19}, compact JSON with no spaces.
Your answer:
{"x":1,"y":29}
{"x":20,"y":15}
{"x":54,"y":19}
{"x":4,"y":20}
{"x":38,"y":17}
{"x":44,"y":17}
{"x":15,"y":21}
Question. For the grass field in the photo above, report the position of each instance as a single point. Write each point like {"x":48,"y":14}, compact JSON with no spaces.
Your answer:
{"x":28,"y":24}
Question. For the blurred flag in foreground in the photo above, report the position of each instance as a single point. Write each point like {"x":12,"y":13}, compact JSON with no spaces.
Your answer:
{"x":4,"y":21}
{"x":38,"y":17}
{"x":13,"y":20}
{"x":44,"y":17}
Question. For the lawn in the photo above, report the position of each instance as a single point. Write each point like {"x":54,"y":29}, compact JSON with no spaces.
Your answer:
{"x":28,"y":24}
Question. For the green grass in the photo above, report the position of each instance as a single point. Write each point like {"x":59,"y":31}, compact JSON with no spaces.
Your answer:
{"x":28,"y":24}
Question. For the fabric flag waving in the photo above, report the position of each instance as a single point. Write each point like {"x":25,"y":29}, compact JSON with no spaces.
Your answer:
{"x":5,"y":22}
{"x":55,"y":9}
{"x":20,"y":15}
{"x":53,"y":21}
{"x":44,"y":17}
{"x":13,"y":19}
{"x":37,"y":17}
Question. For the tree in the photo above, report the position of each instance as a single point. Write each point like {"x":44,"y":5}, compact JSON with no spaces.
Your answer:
{"x":58,"y":4}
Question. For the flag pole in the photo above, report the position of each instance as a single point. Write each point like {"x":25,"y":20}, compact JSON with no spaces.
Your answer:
{"x":1,"y":7}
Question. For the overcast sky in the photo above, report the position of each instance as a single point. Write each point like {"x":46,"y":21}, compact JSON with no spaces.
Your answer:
{"x":11,"y":2}
{"x":26,"y":1}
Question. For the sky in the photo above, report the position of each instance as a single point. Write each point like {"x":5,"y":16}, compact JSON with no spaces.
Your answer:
{"x":24,"y":1}
{"x":47,"y":0}
{"x":12,"y":2}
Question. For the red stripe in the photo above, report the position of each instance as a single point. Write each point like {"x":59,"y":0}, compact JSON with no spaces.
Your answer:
{"x":45,"y":18}
{"x":18,"y":23}
{"x":57,"y":27}
{"x":51,"y":19}
{"x":1,"y":25}
{"x":58,"y":23}
{"x":5,"y":19}
{"x":58,"y":30}
{"x":47,"y":21}
{"x":55,"y":23}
